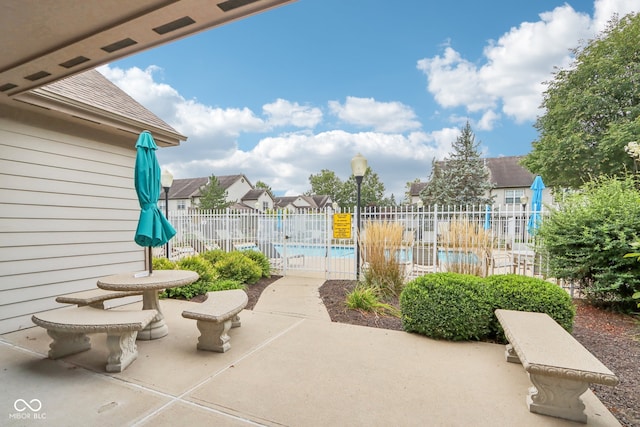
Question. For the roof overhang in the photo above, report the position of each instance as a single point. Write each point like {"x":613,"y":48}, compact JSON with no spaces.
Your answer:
{"x":43,"y":42}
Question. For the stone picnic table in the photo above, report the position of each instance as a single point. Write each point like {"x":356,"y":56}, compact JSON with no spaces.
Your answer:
{"x":150,"y":285}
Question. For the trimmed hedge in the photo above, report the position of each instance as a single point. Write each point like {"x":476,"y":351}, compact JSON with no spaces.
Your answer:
{"x":451,"y":306}
{"x":514,"y":292}
{"x":461,"y":307}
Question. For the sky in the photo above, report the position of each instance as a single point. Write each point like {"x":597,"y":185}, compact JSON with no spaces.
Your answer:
{"x":284,"y":94}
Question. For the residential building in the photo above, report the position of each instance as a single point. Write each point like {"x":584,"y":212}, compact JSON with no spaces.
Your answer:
{"x":70,"y":209}
{"x":511,"y":182}
{"x":300,"y":203}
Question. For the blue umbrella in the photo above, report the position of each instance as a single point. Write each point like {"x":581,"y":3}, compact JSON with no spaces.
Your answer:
{"x":153,"y":228}
{"x":536,"y":203}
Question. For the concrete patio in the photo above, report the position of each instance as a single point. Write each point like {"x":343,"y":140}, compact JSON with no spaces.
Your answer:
{"x":288,"y":365}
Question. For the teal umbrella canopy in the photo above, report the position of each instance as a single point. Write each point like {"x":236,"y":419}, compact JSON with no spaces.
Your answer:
{"x":153,"y":228}
{"x":536,"y":203}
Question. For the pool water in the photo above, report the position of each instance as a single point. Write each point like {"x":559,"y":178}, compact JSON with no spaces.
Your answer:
{"x":317,"y":251}
{"x":403,"y":255}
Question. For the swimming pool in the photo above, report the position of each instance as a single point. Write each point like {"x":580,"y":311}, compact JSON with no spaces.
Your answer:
{"x":316,"y":251}
{"x":403,"y":255}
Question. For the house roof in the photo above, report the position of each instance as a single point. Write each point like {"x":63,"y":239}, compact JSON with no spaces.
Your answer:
{"x":505,"y":172}
{"x":308,"y":202}
{"x":253,"y":194}
{"x":95,"y":101}
{"x":187,"y":188}
{"x":226,"y":181}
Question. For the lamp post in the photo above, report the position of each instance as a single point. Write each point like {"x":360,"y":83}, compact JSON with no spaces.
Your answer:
{"x":524,"y":200}
{"x":166,"y":180}
{"x":358,"y":168}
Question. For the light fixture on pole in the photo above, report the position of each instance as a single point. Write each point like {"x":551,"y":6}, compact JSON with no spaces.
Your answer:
{"x":524,"y":200}
{"x":166,"y":180}
{"x":358,"y":168}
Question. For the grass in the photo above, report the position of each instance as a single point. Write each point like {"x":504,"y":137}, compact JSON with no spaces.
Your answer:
{"x":472,"y":243}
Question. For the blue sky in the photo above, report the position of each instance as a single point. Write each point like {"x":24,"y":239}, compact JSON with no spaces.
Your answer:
{"x":284,"y":94}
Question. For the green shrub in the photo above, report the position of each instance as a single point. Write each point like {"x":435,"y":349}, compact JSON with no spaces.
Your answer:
{"x":200,"y":287}
{"x":514,"y":292}
{"x":587,"y":237}
{"x":447,"y":305}
{"x":260,"y":259}
{"x":224,"y":285}
{"x":236,"y":266}
{"x":461,"y":307}
{"x":214,"y":255}
{"x":163,"y":264}
{"x":199,"y":265}
{"x":366,"y":299}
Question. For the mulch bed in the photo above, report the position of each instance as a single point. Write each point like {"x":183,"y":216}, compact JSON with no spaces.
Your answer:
{"x":613,"y":338}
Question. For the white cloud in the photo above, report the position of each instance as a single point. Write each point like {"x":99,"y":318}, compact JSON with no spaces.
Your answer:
{"x":517,"y":64}
{"x":283,"y":113}
{"x":379,"y":116}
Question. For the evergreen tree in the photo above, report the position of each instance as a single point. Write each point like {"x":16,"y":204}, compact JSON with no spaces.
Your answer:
{"x":213,"y":196}
{"x":463,"y":179}
{"x":438,"y":190}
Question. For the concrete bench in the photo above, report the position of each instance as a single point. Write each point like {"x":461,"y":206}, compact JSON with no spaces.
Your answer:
{"x":559,"y":367}
{"x":216,"y":316}
{"x":69,"y":328}
{"x":94,"y":297}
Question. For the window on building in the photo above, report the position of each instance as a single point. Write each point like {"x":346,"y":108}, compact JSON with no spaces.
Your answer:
{"x":513,"y":196}
{"x":182,"y":204}
{"x":265,"y":206}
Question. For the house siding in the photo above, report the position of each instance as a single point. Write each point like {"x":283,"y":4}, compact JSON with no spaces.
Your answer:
{"x":68,"y":214}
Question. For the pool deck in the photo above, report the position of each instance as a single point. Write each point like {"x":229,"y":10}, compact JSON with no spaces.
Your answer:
{"x":289,"y":365}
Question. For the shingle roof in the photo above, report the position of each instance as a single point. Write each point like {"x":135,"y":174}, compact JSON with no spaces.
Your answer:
{"x":95,"y":90}
{"x":505,"y":172}
{"x":226,"y":181}
{"x":187,"y":188}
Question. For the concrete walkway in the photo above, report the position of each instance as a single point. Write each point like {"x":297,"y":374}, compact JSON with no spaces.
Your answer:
{"x":289,"y":365}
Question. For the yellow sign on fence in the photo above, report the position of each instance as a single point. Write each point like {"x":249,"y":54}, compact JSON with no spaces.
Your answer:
{"x":342,"y":226}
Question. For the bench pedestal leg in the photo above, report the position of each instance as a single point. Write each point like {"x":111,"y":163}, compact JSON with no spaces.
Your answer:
{"x":122,"y":350}
{"x":157,"y":328}
{"x":510,"y":354}
{"x":235,"y":322}
{"x":557,"y":397}
{"x":213,"y":336}
{"x":66,"y":343}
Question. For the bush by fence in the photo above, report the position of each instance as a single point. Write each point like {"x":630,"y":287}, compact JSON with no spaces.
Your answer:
{"x":458,"y":307}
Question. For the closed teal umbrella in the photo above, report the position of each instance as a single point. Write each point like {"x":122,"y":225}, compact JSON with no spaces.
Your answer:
{"x":536,"y":204}
{"x":153,"y":228}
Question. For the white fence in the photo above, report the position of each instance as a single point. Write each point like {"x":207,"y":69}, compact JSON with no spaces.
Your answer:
{"x":492,"y":239}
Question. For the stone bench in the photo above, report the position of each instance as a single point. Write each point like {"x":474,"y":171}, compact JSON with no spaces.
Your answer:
{"x":559,"y":367}
{"x":94,"y":297}
{"x":216,"y":316}
{"x":69,"y":328}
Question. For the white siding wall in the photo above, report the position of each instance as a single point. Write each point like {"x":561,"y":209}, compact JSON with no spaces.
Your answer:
{"x":237,"y":190}
{"x":67,"y":217}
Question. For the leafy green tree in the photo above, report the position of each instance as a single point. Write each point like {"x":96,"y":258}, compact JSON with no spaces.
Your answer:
{"x":213,"y":196}
{"x":587,"y":238}
{"x":592,"y":110}
{"x":463,"y":178}
{"x":326,"y":183}
{"x":371,"y":190}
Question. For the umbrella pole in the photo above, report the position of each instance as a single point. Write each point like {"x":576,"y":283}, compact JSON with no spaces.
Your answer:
{"x":150,"y":261}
